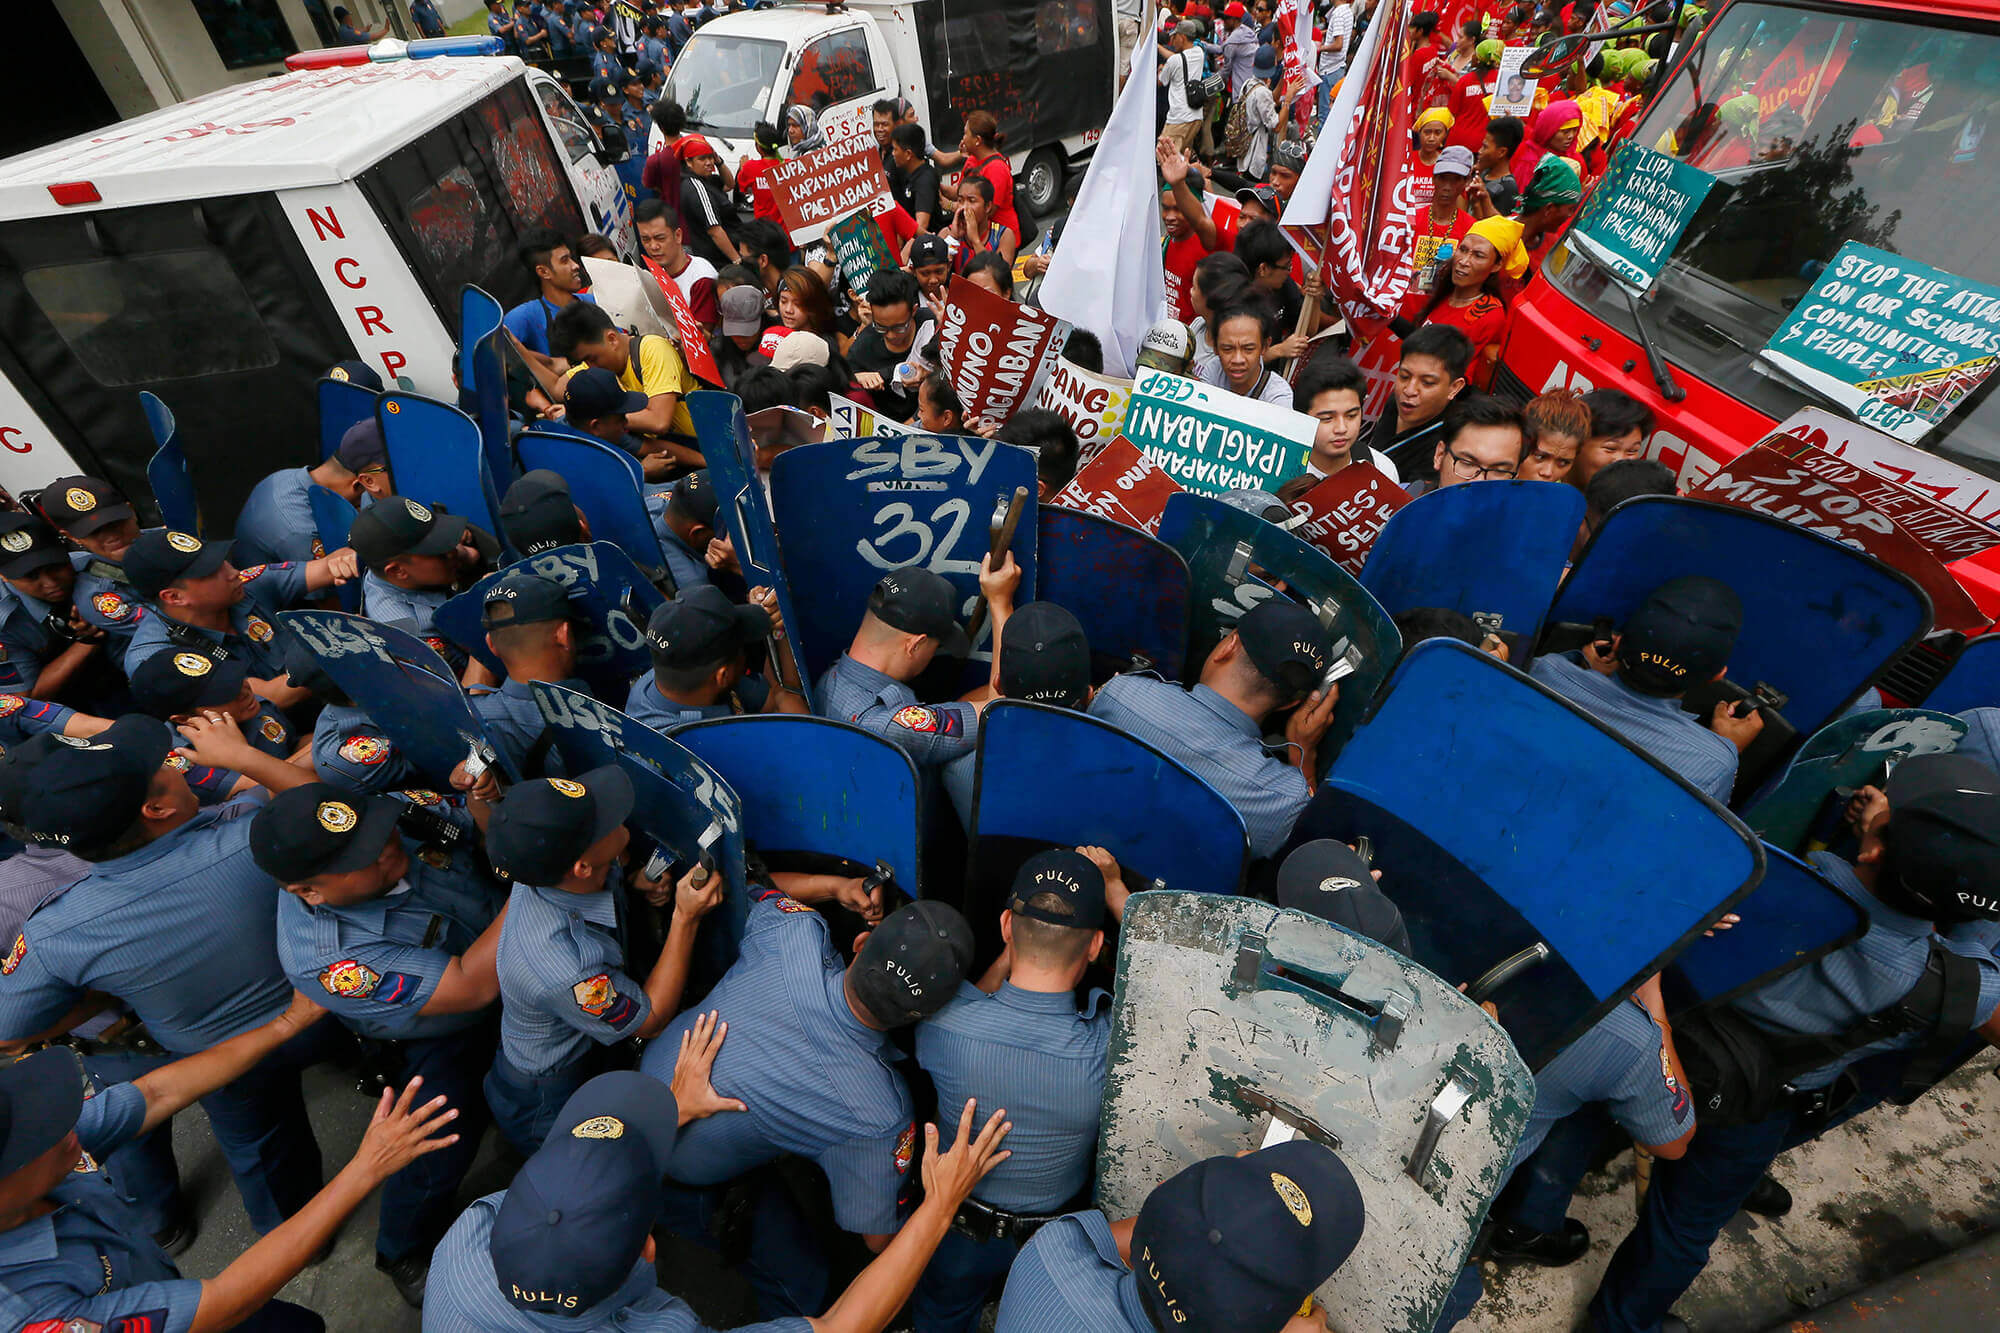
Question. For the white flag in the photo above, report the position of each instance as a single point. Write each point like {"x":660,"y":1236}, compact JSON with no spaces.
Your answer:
{"x":1314,"y":192}
{"x":1106,"y":274}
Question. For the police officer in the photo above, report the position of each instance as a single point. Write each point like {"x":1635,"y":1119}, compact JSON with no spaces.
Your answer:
{"x":1232,"y":1243}
{"x":699,"y":643}
{"x":416,"y":556}
{"x":46,"y":648}
{"x":396,"y":937}
{"x":1019,"y":1040}
{"x":569,"y":1244}
{"x":562,"y":953}
{"x":1276,"y":657}
{"x":537,"y":514}
{"x":684,"y":518}
{"x":364,"y":452}
{"x":71,"y":1254}
{"x":527,"y":619}
{"x":810,"y":1055}
{"x":1928,"y":861}
{"x":277,"y":522}
{"x":1679,"y":637}
{"x":188,"y":683}
{"x":1042,"y":656}
{"x":206,"y":603}
{"x":176,"y":920}
{"x":348,"y":749}
{"x":911,"y":619}
{"x":96,"y":516}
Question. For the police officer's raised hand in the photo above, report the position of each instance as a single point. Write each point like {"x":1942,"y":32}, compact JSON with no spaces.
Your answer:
{"x":693,"y":1093}
{"x":949,"y":1176}
{"x":402,"y":1131}
{"x":342,"y":565}
{"x":721,"y":554}
{"x":1739,"y":730}
{"x":485,"y":787}
{"x":767,"y":601}
{"x":1865,"y":807}
{"x":698,"y":894}
{"x":1308,"y":725}
{"x":863,"y":897}
{"x":998,"y":586}
{"x":1602,"y":657}
{"x":215,"y":740}
{"x":1115,"y":892}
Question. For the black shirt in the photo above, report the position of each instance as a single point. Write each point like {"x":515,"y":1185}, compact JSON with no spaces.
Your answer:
{"x":704,"y":205}
{"x":870,"y":352}
{"x":917,"y":192}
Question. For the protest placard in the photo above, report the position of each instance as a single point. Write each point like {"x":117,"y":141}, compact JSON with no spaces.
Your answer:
{"x":1344,"y":514}
{"x":1898,"y":343}
{"x":1120,"y":484}
{"x":1212,"y":441}
{"x":633,"y":303}
{"x":860,"y":248}
{"x":1975,"y":496}
{"x":1636,"y":215}
{"x":1092,"y":404}
{"x":852,"y":421}
{"x":997,"y":351}
{"x":818,"y":189}
{"x":693,"y":337}
{"x":1514,"y":94}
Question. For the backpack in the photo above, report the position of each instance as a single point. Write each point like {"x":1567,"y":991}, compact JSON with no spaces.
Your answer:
{"x":1236,"y":130}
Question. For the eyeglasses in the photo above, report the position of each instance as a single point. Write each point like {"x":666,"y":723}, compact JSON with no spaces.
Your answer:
{"x":1469,"y":469}
{"x":898,"y":330}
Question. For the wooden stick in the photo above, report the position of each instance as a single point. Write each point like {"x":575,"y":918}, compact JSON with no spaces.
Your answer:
{"x":1000,"y":537}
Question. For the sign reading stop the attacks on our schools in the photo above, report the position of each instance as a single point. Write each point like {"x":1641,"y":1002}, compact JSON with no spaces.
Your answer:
{"x":694,"y":338}
{"x":1898,"y":343}
{"x":1120,"y":484}
{"x":1092,"y":404}
{"x":1636,"y":215}
{"x":860,"y":248}
{"x":818,"y":189}
{"x":997,"y":351}
{"x":1344,"y":514}
{"x":1212,"y":441}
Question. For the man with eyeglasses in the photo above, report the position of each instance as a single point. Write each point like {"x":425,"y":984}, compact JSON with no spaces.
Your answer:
{"x":899,"y":324}
{"x":1481,"y":441}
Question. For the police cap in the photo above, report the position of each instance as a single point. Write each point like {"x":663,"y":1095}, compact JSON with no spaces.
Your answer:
{"x":320,"y":829}
{"x":1044,"y":657}
{"x":160,"y":557}
{"x":177,"y":681}
{"x":700,"y":627}
{"x":518,"y":597}
{"x":1329,"y":880}
{"x":537,"y":833}
{"x":401,"y":526}
{"x":1286,"y":643}
{"x":918,"y":601}
{"x":1071,"y":877}
{"x":537,"y":513}
{"x":28,"y":544}
{"x":87,"y":792}
{"x":82,"y":505}
{"x":911,"y":964}
{"x":1941,"y":845}
{"x":1681,"y":635}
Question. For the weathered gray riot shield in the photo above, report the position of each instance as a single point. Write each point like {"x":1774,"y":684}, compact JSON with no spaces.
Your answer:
{"x":1805,"y":806}
{"x":1233,"y":1015}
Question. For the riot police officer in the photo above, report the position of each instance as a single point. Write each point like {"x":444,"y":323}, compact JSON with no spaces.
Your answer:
{"x":1040,"y":655}
{"x":527,"y":619}
{"x":416,"y":555}
{"x":185,"y":683}
{"x":684,"y":519}
{"x":46,"y":648}
{"x":96,"y":516}
{"x":699,"y":642}
{"x":348,"y":749}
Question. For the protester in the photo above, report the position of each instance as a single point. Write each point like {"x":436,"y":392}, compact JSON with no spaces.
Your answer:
{"x":705,"y":201}
{"x":974,"y":230}
{"x":1480,"y":440}
{"x":1429,"y":374}
{"x":663,"y":240}
{"x":1493,"y":190}
{"x":1242,"y":336}
{"x":1555,"y":425}
{"x":1619,"y":427}
{"x":1182,"y":64}
{"x":1466,"y":292}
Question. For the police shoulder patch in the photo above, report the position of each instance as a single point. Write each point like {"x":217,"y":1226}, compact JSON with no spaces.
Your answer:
{"x":272,"y":730}
{"x":906,"y":1148}
{"x":364,"y":750}
{"x":247,"y":574}
{"x":917,"y":717}
{"x":594,"y":994}
{"x":259,"y":629}
{"x":788,"y":904}
{"x":420,"y":796}
{"x":350,"y":979}
{"x":11,"y":704}
{"x":179,"y":763}
{"x":113,"y":607}
{"x":15,"y":955}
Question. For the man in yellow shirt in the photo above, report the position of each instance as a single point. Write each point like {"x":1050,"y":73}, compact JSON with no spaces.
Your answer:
{"x":650,"y":364}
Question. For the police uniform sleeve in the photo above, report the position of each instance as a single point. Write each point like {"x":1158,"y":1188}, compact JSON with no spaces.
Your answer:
{"x":155,"y":1307}
{"x":605,"y":1005}
{"x":21,"y":642}
{"x":275,"y":587}
{"x":1644,"y":1096}
{"x":928,"y":733}
{"x":357,"y":755}
{"x":33,"y":990}
{"x":22,"y":717}
{"x":366,"y":979}
{"x":111,"y":1117}
{"x":866,"y":1175}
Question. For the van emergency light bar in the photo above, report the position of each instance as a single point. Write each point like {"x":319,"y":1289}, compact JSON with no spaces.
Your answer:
{"x":390,"y":49}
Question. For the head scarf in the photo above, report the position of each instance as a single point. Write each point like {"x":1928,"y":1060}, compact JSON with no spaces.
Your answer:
{"x":1504,"y":235}
{"x":1555,"y":182}
{"x":1436,"y":115}
{"x":1548,"y":122}
{"x":1487,"y":53}
{"x":802,"y":116}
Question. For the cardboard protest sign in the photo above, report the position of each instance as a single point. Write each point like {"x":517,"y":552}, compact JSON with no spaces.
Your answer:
{"x":851,"y":421}
{"x":1515,"y":93}
{"x":1952,"y":486}
{"x":1898,"y":343}
{"x":997,"y":351}
{"x":1346,"y":513}
{"x":860,"y":248}
{"x":1637,"y":214}
{"x":632,"y":302}
{"x":1211,"y":441}
{"x":819,"y":188}
{"x":1121,"y":484}
{"x":1092,"y":404}
{"x":693,"y":337}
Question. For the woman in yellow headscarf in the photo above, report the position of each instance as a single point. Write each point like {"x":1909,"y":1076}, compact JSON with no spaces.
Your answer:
{"x":1468,"y":292}
{"x":1427,"y":135}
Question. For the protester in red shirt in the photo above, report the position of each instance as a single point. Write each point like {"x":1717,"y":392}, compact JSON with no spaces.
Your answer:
{"x":1425,"y":48}
{"x":1467,"y":293}
{"x":1189,"y":230}
{"x":1472,"y":100}
{"x":661,"y":175}
{"x":750,"y":183}
{"x":1436,"y":228}
{"x":980,"y":149}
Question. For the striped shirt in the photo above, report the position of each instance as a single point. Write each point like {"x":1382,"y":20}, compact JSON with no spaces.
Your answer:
{"x":561,"y":980}
{"x":31,"y":877}
{"x":646,"y":704}
{"x":1982,"y":736}
{"x":408,"y":609}
{"x":930,"y":734}
{"x":513,"y":723}
{"x":349,"y":750}
{"x":1704,"y":759}
{"x":1035,"y":1054}
{"x":1617,"y":1061}
{"x":1068,"y":1278}
{"x":1219,"y":742}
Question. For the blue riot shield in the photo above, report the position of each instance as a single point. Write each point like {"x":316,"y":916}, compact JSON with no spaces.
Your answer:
{"x":167,"y":471}
{"x":814,"y":786}
{"x":1793,"y":917}
{"x":1234,"y":557}
{"x":436,"y":457}
{"x":404,"y":685}
{"x":1820,"y":621}
{"x":1128,"y":589}
{"x":610,"y":597}
{"x":482,"y":379}
{"x":741,"y":504}
{"x":683,"y":805}
{"x":333,"y":517}
{"x":1972,"y":682}
{"x":604,"y":483}
{"x":1506,"y":820}
{"x":850,"y":511}
{"x":342,"y":403}
{"x":1496,"y":549}
{"x":1804,"y":810}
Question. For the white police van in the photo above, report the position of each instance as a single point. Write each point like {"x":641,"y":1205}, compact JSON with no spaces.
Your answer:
{"x":224,"y":252}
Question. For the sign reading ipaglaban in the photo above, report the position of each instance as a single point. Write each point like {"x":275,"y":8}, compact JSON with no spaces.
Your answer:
{"x":820,"y":188}
{"x":997,"y":351}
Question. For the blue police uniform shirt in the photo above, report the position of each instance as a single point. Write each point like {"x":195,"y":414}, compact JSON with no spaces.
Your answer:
{"x":1068,"y":1278}
{"x":653,"y":51}
{"x":1218,"y":742}
{"x":688,"y":566}
{"x":646,"y":704}
{"x":184,"y":930}
{"x":1982,"y":736}
{"x":819,"y":1083}
{"x":407,"y":609}
{"x":1036,"y":1054}
{"x":267,"y":590}
{"x":104,"y":599}
{"x":375,"y":965}
{"x":562,"y":983}
{"x":211,"y":786}
{"x":277,"y":523}
{"x":25,"y":646}
{"x":513,"y":723}
{"x":930,"y":734}
{"x":1705,"y":759}
{"x":605,"y":66}
{"x":465,"y":1296}
{"x":270,"y":731}
{"x":22,"y":717}
{"x":1869,"y":975}
{"x":349,"y":750}
{"x":91,"y":1260}
{"x":1616,"y":1061}
{"x":529,"y":321}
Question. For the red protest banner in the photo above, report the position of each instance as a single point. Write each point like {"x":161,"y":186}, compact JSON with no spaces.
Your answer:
{"x":820,"y":188}
{"x":694,"y":338}
{"x":997,"y":351}
{"x":1345,"y":513}
{"x":1375,"y":181}
{"x":1939,"y":529}
{"x":1120,"y":484}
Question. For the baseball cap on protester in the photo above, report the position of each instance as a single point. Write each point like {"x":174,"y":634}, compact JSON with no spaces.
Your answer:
{"x":82,"y":505}
{"x":40,"y":1099}
{"x":87,"y":793}
{"x":355,"y":372}
{"x":1044,"y":657}
{"x":537,"y":513}
{"x":702,"y":626}
{"x":1329,"y":880}
{"x":28,"y":544}
{"x":1239,"y":1243}
{"x":1289,"y":154}
{"x":929,"y":248}
{"x":518,"y":597}
{"x":742,"y":310}
{"x":593,"y":392}
{"x":799,"y":348}
{"x":1259,"y":194}
{"x":537,"y":833}
{"x":1941,"y":846}
{"x":321,"y":829}
{"x":1681,"y":635}
{"x":1168,"y":346}
{"x":919,"y":601}
{"x":400,"y":526}
{"x":1072,"y":877}
{"x":910,"y":966}
{"x":180,"y":680}
{"x":1286,"y":643}
{"x":361,"y":447}
{"x":162,"y":556}
{"x":576,"y":1217}
{"x":1455,"y":160}
{"x":1266,"y":63}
